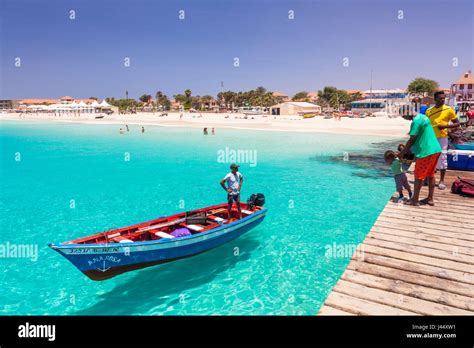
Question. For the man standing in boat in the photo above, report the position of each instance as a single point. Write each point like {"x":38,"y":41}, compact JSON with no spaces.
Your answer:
{"x":234,"y":181}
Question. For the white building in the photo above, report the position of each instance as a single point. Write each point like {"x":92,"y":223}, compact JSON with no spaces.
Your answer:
{"x":294,"y":108}
{"x":463,"y":89}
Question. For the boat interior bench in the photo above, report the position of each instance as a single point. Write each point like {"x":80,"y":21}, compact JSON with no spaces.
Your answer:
{"x":121,"y":239}
{"x":195,"y":222}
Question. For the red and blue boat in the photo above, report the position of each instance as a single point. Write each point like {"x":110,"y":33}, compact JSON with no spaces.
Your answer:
{"x":106,"y":254}
{"x":461,"y":160}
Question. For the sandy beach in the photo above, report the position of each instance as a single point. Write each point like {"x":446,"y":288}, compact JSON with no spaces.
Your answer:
{"x":380,"y":126}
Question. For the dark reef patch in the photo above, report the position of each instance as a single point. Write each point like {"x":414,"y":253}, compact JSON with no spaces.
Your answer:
{"x":366,"y":164}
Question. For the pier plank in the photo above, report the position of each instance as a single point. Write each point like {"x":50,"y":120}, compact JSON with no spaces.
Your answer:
{"x":423,"y":243}
{"x":407,"y":256}
{"x":401,"y":209}
{"x":418,"y":216}
{"x":359,"y":306}
{"x":463,"y":277}
{"x":413,"y":290}
{"x":414,"y":278}
{"x":395,"y":300}
{"x":442,"y":254}
{"x":425,"y":236}
{"x":397,"y":221}
{"x":454,"y":234}
{"x":327,"y":310}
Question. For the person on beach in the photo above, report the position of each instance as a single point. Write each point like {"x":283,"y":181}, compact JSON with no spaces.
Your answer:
{"x":234,"y":181}
{"x":204,"y":131}
{"x":126,"y":126}
{"x":120,"y":131}
{"x":401,"y":180}
{"x":143,"y":129}
{"x":213,"y":131}
{"x":440,"y":116}
{"x":425,"y":146}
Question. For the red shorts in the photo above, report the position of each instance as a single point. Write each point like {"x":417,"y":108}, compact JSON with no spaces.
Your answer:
{"x":425,"y":167}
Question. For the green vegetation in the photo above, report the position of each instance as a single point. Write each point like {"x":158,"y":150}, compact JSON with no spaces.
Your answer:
{"x":123,"y":104}
{"x":423,"y":86}
{"x":300,"y":96}
{"x":162,"y":101}
{"x":337,"y":98}
{"x":333,"y":97}
{"x":146,"y":98}
{"x":255,"y":97}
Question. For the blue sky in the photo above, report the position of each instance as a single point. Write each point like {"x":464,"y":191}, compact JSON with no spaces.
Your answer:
{"x":85,"y":57}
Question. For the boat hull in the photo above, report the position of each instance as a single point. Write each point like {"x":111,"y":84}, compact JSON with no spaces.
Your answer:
{"x":461,"y":160}
{"x":104,"y":261}
{"x":464,"y":146}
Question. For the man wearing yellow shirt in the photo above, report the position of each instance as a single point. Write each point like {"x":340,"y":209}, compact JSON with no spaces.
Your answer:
{"x":440,"y":116}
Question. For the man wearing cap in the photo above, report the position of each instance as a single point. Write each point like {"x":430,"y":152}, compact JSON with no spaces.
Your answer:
{"x":440,"y":115}
{"x":234,"y":182}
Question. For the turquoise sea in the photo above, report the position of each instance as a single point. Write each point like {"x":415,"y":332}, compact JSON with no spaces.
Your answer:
{"x":62,"y":181}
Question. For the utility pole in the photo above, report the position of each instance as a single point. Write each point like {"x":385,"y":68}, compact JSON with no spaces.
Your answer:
{"x":371,"y":94}
{"x":220,"y":101}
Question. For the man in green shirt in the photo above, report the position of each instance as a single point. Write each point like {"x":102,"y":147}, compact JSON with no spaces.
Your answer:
{"x":424,"y":144}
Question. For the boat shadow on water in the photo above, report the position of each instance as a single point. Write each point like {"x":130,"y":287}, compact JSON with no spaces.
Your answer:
{"x":164,"y":284}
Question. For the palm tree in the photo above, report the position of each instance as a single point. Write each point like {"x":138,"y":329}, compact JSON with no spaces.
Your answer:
{"x":261,"y":91}
{"x":300,"y":96}
{"x":269,"y":99}
{"x":145,"y":98}
{"x":227,"y":98}
{"x":206,"y":101}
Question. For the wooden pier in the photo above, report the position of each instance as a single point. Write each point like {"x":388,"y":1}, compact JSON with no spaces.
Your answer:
{"x":414,"y":261}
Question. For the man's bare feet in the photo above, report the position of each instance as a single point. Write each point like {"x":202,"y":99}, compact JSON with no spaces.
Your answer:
{"x":410,"y":202}
{"x":427,"y":201}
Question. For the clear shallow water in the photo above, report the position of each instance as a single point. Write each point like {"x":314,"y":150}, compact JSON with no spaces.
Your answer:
{"x":281,"y":267}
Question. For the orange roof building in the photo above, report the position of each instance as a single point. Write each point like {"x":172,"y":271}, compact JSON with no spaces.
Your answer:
{"x":282,"y":96}
{"x":65,"y":99}
{"x":38,"y":101}
{"x":463,"y":88}
{"x":465,"y":79}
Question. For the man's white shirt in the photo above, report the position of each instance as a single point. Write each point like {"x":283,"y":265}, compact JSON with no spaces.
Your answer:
{"x":233,"y":181}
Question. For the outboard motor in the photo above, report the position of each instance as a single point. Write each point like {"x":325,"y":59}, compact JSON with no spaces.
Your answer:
{"x":256,"y":199}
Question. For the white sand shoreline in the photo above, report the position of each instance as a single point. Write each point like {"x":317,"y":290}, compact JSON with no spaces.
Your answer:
{"x":385,"y":127}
